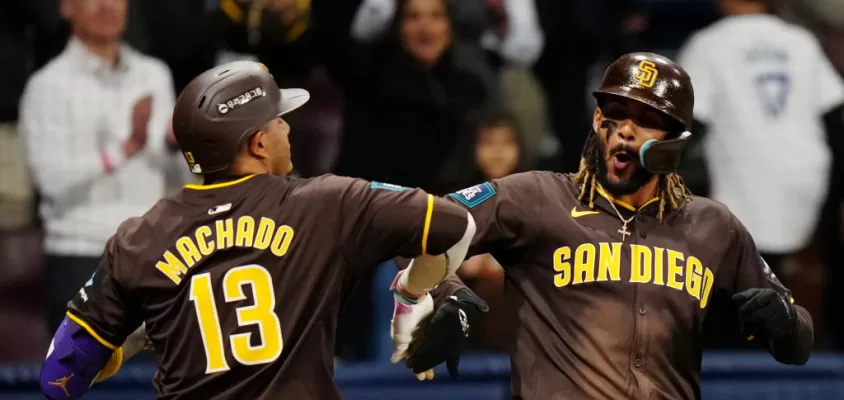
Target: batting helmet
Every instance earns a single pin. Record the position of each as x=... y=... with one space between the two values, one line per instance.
x=222 y=107
x=662 y=84
x=651 y=79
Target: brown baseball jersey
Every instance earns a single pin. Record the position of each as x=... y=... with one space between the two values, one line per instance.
x=240 y=283
x=598 y=312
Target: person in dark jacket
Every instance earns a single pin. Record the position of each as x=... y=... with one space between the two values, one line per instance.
x=407 y=98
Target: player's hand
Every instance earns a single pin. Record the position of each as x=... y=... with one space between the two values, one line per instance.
x=442 y=336
x=765 y=313
x=406 y=317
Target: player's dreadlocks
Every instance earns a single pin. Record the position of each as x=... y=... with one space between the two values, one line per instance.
x=672 y=190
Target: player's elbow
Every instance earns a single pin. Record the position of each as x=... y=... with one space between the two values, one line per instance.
x=74 y=360
x=457 y=253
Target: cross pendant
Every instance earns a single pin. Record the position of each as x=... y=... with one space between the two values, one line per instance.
x=624 y=232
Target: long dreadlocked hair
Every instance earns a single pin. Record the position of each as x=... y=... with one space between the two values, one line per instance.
x=671 y=189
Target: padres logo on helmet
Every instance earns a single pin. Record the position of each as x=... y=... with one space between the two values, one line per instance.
x=647 y=74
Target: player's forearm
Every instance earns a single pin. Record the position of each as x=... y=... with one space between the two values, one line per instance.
x=426 y=270
x=135 y=343
x=795 y=348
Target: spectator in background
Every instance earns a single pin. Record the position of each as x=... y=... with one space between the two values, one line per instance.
x=407 y=97
x=503 y=36
x=493 y=149
x=187 y=34
x=758 y=79
x=28 y=30
x=95 y=121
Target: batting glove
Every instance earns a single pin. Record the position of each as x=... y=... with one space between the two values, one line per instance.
x=408 y=311
x=442 y=336
x=765 y=313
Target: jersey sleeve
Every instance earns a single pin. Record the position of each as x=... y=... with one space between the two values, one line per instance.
x=506 y=212
x=381 y=221
x=745 y=266
x=103 y=305
x=694 y=58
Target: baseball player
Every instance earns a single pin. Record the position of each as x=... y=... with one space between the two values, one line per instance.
x=240 y=280
x=611 y=271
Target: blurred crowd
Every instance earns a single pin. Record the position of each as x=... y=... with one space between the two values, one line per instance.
x=437 y=94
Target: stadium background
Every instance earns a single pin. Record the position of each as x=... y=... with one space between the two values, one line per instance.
x=546 y=101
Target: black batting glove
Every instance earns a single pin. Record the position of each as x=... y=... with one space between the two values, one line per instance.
x=443 y=334
x=765 y=313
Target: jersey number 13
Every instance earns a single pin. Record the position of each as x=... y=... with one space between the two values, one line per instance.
x=260 y=313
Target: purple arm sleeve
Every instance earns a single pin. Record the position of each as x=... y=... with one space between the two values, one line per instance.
x=73 y=362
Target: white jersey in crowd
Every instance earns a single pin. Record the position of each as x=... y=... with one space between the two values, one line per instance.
x=762 y=86
x=75 y=113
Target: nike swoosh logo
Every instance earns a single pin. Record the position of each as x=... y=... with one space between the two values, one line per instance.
x=578 y=214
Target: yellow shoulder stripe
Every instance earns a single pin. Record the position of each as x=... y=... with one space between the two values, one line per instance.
x=218 y=185
x=427 y=226
x=87 y=327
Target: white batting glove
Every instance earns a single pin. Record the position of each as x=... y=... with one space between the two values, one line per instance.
x=407 y=313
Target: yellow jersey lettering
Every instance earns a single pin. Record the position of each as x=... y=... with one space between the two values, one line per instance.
x=708 y=281
x=245 y=231
x=610 y=259
x=205 y=247
x=561 y=256
x=188 y=251
x=674 y=269
x=281 y=240
x=640 y=268
x=225 y=234
x=265 y=234
x=694 y=270
x=658 y=267
x=172 y=267
x=584 y=264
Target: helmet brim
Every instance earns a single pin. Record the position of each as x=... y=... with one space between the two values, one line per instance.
x=291 y=99
x=643 y=97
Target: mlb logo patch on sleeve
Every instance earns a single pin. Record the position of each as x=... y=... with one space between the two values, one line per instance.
x=387 y=186
x=472 y=196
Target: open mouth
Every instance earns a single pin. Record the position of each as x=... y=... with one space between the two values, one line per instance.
x=622 y=160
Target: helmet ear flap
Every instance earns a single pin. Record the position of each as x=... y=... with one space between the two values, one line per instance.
x=663 y=156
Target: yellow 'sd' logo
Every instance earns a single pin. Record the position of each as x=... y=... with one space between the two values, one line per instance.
x=189 y=157
x=647 y=74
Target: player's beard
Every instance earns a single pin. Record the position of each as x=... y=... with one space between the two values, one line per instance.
x=597 y=158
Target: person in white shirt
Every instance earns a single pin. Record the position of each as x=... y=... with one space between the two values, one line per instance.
x=95 y=121
x=763 y=91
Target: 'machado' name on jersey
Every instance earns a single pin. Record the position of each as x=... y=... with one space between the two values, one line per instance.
x=223 y=234
x=602 y=263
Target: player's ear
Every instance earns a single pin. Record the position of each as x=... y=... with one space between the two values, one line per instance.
x=597 y=117
x=257 y=146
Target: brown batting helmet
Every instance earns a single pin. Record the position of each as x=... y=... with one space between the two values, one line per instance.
x=651 y=79
x=225 y=105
